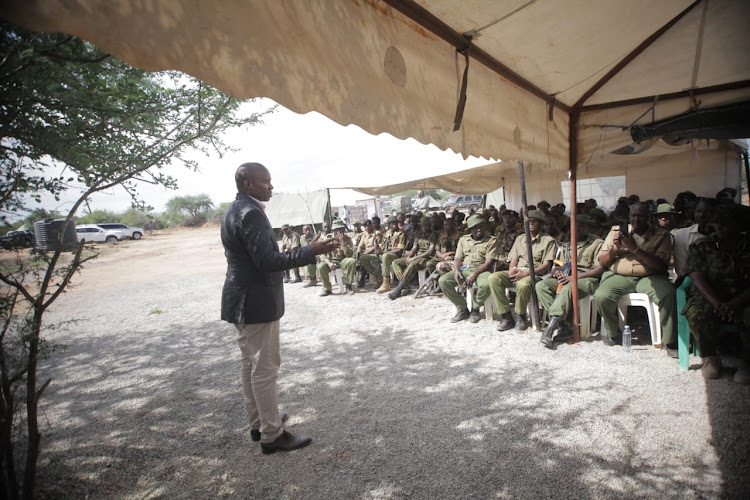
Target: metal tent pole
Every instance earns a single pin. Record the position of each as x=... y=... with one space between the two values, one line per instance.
x=529 y=253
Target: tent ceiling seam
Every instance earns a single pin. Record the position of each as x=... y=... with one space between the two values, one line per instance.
x=699 y=45
x=503 y=18
x=742 y=84
x=439 y=28
x=632 y=55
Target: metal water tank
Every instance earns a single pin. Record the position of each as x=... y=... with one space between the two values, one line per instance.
x=48 y=231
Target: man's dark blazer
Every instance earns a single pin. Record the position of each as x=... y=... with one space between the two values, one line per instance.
x=254 y=289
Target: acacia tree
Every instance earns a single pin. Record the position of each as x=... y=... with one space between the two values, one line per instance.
x=65 y=103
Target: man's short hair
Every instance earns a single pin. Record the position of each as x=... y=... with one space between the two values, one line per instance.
x=245 y=173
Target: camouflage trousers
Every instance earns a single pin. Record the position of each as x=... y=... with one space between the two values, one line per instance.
x=407 y=272
x=705 y=325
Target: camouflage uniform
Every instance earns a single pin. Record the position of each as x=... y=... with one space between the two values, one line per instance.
x=343 y=257
x=728 y=273
x=472 y=254
x=406 y=272
x=391 y=241
x=310 y=269
x=505 y=240
x=290 y=243
x=446 y=243
x=543 y=248
x=560 y=304
x=370 y=262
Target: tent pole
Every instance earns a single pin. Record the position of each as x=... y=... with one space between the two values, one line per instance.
x=747 y=174
x=329 y=209
x=529 y=253
x=573 y=172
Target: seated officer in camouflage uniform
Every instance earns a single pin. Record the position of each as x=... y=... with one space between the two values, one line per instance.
x=419 y=257
x=559 y=302
x=342 y=257
x=368 y=252
x=475 y=255
x=506 y=237
x=720 y=272
x=446 y=246
x=304 y=240
x=636 y=262
x=543 y=248
x=289 y=241
x=394 y=243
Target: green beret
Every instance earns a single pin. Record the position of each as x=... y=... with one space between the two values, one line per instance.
x=355 y=222
x=475 y=220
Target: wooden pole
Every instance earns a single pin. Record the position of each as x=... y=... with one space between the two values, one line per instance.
x=573 y=170
x=529 y=254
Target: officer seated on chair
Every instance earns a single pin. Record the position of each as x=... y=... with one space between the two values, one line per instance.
x=342 y=257
x=394 y=243
x=543 y=248
x=420 y=257
x=475 y=254
x=635 y=257
x=720 y=293
x=555 y=293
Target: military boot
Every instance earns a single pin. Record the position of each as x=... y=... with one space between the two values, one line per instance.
x=549 y=333
x=506 y=322
x=361 y=282
x=396 y=292
x=385 y=287
x=520 y=322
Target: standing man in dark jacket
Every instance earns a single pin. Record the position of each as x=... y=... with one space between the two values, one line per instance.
x=253 y=300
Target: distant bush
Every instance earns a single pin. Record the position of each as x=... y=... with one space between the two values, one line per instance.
x=98 y=217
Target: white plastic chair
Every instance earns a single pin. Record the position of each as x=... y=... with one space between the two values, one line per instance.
x=652 y=309
x=489 y=304
x=587 y=315
x=338 y=278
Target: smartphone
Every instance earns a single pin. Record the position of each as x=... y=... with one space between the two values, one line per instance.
x=624 y=227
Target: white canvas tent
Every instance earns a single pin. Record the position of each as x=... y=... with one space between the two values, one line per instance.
x=553 y=84
x=297 y=209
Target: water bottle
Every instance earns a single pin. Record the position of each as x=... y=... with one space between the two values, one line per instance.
x=627 y=339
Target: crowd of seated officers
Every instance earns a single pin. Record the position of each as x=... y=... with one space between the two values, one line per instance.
x=648 y=246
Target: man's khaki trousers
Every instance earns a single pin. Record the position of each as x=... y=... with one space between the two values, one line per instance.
x=261 y=358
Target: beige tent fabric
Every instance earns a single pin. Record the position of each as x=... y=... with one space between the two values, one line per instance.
x=297 y=209
x=363 y=62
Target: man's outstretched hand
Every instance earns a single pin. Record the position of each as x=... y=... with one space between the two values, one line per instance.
x=324 y=246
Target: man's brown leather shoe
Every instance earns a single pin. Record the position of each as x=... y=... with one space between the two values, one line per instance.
x=286 y=442
x=255 y=433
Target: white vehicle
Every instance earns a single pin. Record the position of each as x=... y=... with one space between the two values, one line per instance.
x=92 y=232
x=127 y=231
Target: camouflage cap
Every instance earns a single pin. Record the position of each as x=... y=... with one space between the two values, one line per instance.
x=475 y=220
x=426 y=220
x=665 y=208
x=285 y=226
x=338 y=224
x=355 y=222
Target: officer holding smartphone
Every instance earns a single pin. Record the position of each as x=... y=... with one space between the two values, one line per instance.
x=636 y=256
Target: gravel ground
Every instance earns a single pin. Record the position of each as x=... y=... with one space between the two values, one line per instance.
x=399 y=402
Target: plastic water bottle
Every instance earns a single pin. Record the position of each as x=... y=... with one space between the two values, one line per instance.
x=627 y=339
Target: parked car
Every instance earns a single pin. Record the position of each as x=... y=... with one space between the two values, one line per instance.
x=94 y=233
x=127 y=231
x=18 y=239
x=467 y=202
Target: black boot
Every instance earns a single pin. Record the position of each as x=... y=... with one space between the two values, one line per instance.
x=506 y=322
x=349 y=290
x=361 y=281
x=396 y=292
x=549 y=333
x=520 y=322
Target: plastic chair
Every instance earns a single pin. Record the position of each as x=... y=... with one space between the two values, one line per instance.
x=654 y=318
x=338 y=278
x=489 y=304
x=683 y=329
x=587 y=315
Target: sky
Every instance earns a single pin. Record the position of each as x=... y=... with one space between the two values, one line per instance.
x=303 y=153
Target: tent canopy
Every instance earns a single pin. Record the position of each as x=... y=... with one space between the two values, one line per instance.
x=549 y=83
x=297 y=209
